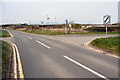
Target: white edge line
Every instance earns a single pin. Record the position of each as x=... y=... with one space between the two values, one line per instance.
x=10 y=33
x=43 y=44
x=94 y=72
x=15 y=66
x=20 y=70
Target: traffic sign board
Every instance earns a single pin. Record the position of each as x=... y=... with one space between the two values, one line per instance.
x=107 y=19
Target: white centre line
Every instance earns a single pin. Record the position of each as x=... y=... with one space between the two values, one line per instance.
x=43 y=44
x=29 y=37
x=83 y=66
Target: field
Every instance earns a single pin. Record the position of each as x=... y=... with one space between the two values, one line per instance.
x=108 y=44
x=49 y=32
x=60 y=30
x=4 y=33
x=45 y=32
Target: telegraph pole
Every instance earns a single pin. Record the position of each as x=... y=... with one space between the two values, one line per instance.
x=42 y=25
x=55 y=22
x=48 y=21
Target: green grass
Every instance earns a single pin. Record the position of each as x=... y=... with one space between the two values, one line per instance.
x=5 y=52
x=49 y=32
x=93 y=33
x=4 y=55
x=111 y=43
x=46 y=32
x=4 y=33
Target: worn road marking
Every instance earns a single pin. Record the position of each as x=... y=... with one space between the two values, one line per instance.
x=15 y=66
x=20 y=70
x=43 y=44
x=85 y=67
x=29 y=37
x=10 y=34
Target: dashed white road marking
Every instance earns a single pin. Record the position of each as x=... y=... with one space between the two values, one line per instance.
x=43 y=44
x=85 y=67
x=29 y=37
x=20 y=70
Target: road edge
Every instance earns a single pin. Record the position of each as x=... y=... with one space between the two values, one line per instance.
x=89 y=46
x=19 y=65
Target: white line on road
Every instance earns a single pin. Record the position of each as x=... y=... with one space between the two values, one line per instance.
x=20 y=70
x=10 y=34
x=29 y=37
x=43 y=44
x=83 y=66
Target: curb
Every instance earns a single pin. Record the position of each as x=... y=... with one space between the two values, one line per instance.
x=98 y=50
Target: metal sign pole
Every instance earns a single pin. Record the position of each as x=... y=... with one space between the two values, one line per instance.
x=66 y=26
x=107 y=20
x=106 y=30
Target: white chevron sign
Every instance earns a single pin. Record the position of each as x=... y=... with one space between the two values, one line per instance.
x=107 y=19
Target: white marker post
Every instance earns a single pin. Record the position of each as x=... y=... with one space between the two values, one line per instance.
x=106 y=20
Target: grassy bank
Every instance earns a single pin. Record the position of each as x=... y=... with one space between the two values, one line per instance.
x=49 y=32
x=95 y=33
x=45 y=32
x=5 y=50
x=108 y=44
x=4 y=33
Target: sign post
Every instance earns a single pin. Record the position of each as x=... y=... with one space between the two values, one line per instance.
x=66 y=26
x=106 y=20
x=42 y=25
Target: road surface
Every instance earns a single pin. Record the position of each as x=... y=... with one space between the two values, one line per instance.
x=62 y=57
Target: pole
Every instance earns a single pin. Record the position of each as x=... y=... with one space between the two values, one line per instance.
x=55 y=22
x=48 y=21
x=66 y=26
x=106 y=30
x=42 y=26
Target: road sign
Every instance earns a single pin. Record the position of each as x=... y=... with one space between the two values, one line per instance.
x=107 y=19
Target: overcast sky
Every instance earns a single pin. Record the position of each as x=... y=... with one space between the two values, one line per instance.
x=35 y=11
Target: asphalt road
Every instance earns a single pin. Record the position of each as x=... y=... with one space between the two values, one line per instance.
x=56 y=57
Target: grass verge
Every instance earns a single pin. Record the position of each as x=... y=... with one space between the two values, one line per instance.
x=6 y=55
x=49 y=32
x=110 y=44
x=45 y=32
x=4 y=33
